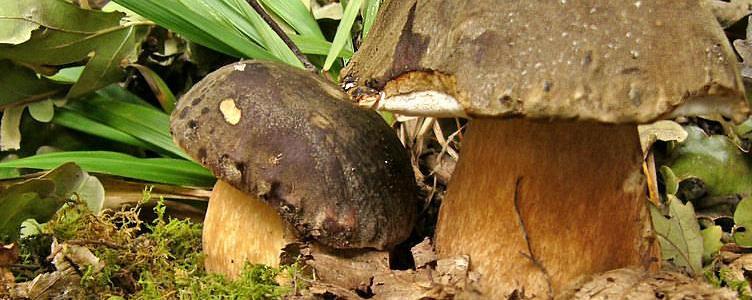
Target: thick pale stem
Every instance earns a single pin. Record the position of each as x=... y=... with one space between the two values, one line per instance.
x=538 y=204
x=240 y=228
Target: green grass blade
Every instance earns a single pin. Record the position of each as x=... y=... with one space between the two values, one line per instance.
x=201 y=26
x=369 y=15
x=244 y=17
x=177 y=19
x=311 y=45
x=161 y=170
x=73 y=120
x=114 y=91
x=226 y=27
x=161 y=91
x=343 y=32
x=147 y=124
x=295 y=14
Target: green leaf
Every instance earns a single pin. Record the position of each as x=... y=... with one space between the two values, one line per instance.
x=79 y=122
x=37 y=198
x=715 y=160
x=16 y=30
x=745 y=128
x=669 y=180
x=343 y=32
x=68 y=75
x=369 y=15
x=311 y=45
x=711 y=241
x=73 y=35
x=158 y=87
x=42 y=111
x=248 y=21
x=21 y=85
x=7 y=173
x=743 y=223
x=145 y=123
x=30 y=227
x=30 y=200
x=230 y=27
x=679 y=235
x=294 y=13
x=161 y=170
x=117 y=92
x=200 y=24
x=91 y=191
x=388 y=117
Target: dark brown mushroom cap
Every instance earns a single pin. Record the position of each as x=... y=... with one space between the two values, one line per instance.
x=334 y=171
x=610 y=61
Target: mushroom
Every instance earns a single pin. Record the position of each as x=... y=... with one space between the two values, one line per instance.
x=295 y=163
x=548 y=186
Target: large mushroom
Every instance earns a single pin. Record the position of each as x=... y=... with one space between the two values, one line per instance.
x=549 y=186
x=295 y=163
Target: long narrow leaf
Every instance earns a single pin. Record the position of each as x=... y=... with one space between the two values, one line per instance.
x=343 y=32
x=244 y=18
x=161 y=170
x=160 y=89
x=197 y=27
x=147 y=124
x=311 y=45
x=369 y=15
x=201 y=22
x=76 y=121
x=117 y=92
x=294 y=13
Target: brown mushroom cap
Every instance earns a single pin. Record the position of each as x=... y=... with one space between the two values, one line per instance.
x=334 y=171
x=609 y=61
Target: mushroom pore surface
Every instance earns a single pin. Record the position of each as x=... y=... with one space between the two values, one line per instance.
x=334 y=171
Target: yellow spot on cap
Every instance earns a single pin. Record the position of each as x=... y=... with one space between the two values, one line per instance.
x=231 y=112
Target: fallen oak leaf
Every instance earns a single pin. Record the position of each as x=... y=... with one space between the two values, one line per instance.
x=38 y=198
x=679 y=234
x=74 y=35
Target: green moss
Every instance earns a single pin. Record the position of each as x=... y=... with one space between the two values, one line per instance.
x=723 y=277
x=161 y=259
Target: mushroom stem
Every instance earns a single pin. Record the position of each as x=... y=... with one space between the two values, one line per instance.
x=536 y=204
x=239 y=228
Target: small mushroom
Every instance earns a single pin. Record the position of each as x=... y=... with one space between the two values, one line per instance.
x=295 y=163
x=548 y=187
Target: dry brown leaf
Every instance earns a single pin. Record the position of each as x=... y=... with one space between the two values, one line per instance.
x=730 y=12
x=423 y=253
x=637 y=284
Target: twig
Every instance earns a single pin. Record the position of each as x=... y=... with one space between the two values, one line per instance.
x=281 y=33
x=21 y=266
x=102 y=242
x=530 y=255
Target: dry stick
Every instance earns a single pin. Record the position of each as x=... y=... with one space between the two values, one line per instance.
x=102 y=242
x=531 y=256
x=22 y=266
x=281 y=33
